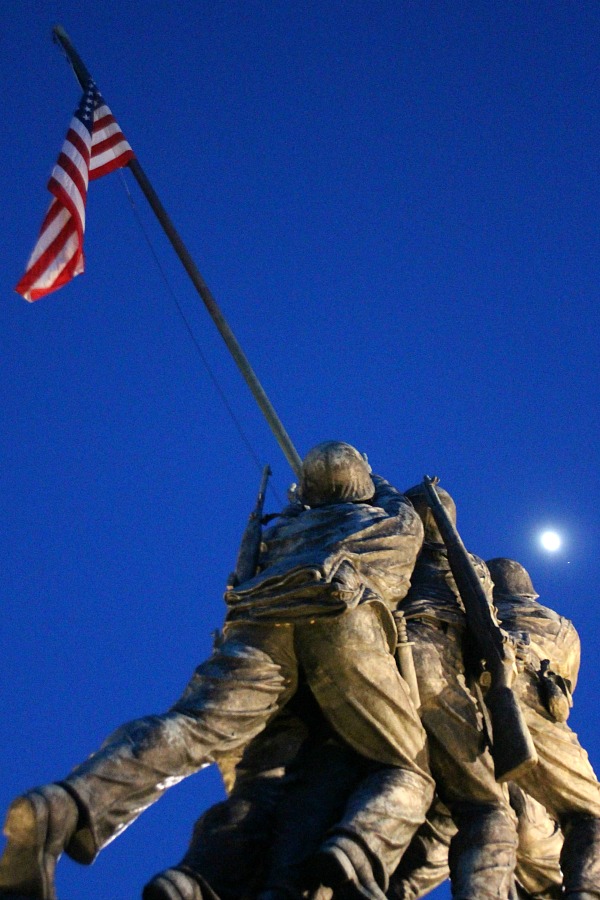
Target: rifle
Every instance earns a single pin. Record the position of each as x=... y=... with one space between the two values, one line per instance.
x=247 y=558
x=512 y=748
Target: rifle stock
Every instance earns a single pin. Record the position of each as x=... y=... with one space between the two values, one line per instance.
x=512 y=747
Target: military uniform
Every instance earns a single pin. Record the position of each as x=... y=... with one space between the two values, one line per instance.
x=483 y=852
x=318 y=602
x=563 y=779
x=328 y=577
x=537 y=874
x=293 y=785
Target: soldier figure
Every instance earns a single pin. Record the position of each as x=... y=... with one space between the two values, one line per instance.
x=331 y=571
x=563 y=779
x=290 y=788
x=483 y=851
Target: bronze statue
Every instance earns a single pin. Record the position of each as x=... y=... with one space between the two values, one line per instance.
x=484 y=854
x=512 y=749
x=302 y=706
x=424 y=866
x=331 y=570
x=291 y=787
x=563 y=779
x=483 y=851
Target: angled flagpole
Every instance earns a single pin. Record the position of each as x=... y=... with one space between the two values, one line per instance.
x=283 y=439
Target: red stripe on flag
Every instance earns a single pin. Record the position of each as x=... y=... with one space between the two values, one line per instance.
x=53 y=211
x=112 y=140
x=54 y=249
x=104 y=121
x=68 y=184
x=56 y=188
x=43 y=263
x=82 y=146
x=67 y=274
x=74 y=174
x=112 y=165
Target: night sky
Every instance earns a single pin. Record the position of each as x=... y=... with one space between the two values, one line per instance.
x=396 y=205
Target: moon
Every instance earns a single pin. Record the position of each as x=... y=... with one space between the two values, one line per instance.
x=550 y=541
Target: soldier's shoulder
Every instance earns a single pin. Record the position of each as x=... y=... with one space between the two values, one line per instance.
x=550 y=613
x=479 y=564
x=410 y=519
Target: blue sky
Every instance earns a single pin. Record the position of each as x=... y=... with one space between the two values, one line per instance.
x=396 y=206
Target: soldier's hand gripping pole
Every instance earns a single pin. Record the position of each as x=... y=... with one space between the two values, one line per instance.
x=247 y=559
x=512 y=748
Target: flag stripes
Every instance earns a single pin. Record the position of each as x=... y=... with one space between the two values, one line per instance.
x=94 y=146
x=108 y=145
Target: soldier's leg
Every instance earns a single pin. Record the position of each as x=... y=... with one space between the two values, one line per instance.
x=565 y=783
x=538 y=870
x=483 y=852
x=228 y=701
x=424 y=866
x=580 y=858
x=354 y=677
x=377 y=825
x=232 y=841
x=290 y=785
x=228 y=849
x=315 y=795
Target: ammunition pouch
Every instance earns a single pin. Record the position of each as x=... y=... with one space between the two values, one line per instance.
x=555 y=692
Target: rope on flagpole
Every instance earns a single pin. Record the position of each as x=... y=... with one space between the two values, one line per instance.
x=238 y=426
x=266 y=407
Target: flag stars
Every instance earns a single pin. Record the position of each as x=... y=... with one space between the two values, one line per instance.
x=58 y=254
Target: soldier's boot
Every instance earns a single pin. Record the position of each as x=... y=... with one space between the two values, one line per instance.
x=580 y=858
x=178 y=883
x=342 y=866
x=38 y=825
x=366 y=845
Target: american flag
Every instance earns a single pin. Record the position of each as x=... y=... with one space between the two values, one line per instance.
x=94 y=146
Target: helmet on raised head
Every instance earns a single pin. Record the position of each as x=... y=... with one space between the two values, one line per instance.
x=418 y=498
x=335 y=472
x=510 y=578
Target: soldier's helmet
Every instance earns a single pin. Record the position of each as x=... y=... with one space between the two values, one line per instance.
x=510 y=578
x=418 y=498
x=335 y=472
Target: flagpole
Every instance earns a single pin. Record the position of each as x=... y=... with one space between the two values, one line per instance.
x=283 y=439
